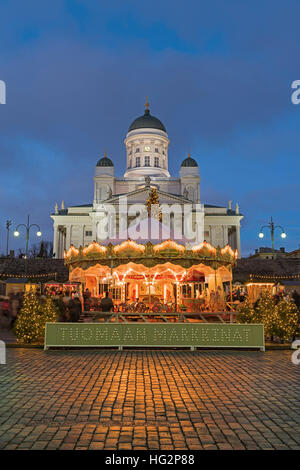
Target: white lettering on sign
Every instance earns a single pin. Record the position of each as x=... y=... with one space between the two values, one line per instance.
x=101 y=334
x=174 y=335
x=87 y=334
x=184 y=335
x=237 y=336
x=246 y=331
x=141 y=334
x=160 y=335
x=128 y=335
x=205 y=335
x=63 y=331
x=194 y=335
x=74 y=334
x=116 y=335
x=215 y=337
x=225 y=335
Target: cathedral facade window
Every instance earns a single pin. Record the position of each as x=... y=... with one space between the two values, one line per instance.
x=156 y=162
x=147 y=160
x=138 y=161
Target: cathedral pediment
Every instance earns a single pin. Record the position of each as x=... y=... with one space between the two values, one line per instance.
x=139 y=196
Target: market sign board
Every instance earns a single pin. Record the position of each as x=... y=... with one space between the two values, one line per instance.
x=207 y=335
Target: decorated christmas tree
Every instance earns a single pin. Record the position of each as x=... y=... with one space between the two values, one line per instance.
x=247 y=313
x=30 y=323
x=287 y=319
x=266 y=313
x=280 y=320
x=153 y=206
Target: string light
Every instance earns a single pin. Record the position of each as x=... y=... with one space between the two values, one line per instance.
x=22 y=276
x=271 y=276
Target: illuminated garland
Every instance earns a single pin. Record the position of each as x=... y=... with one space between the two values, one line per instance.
x=168 y=245
x=129 y=244
x=94 y=246
x=205 y=245
x=229 y=250
x=71 y=251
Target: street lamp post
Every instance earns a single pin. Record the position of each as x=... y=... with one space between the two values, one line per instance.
x=8 y=224
x=27 y=228
x=272 y=228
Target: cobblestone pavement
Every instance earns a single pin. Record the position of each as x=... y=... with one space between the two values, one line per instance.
x=149 y=400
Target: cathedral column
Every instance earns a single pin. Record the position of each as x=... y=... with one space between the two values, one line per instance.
x=238 y=241
x=82 y=238
x=55 y=240
x=225 y=234
x=61 y=244
x=68 y=236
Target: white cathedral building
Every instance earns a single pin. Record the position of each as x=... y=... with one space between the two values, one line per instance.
x=147 y=145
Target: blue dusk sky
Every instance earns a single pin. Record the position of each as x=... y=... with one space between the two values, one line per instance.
x=218 y=74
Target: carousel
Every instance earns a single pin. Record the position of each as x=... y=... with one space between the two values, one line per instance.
x=166 y=276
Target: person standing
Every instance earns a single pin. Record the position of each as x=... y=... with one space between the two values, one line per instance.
x=75 y=308
x=106 y=303
x=14 y=304
x=86 y=299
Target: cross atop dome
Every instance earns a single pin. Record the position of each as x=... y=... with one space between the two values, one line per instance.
x=147 y=103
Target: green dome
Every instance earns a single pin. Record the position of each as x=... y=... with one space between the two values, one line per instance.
x=189 y=161
x=147 y=121
x=104 y=161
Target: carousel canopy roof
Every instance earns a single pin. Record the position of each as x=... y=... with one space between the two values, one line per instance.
x=150 y=254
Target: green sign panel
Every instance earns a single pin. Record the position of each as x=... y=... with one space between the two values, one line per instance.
x=209 y=335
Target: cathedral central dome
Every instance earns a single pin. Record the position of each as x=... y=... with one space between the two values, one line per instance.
x=147 y=121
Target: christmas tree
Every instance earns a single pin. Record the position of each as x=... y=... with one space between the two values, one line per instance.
x=30 y=323
x=247 y=313
x=280 y=320
x=153 y=206
x=287 y=319
x=266 y=313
